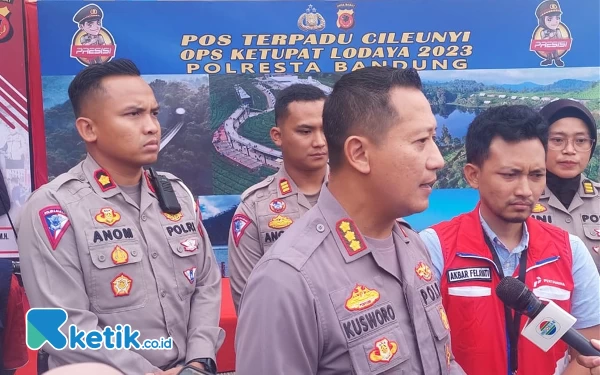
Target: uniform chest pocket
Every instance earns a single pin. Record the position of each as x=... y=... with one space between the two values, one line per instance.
x=385 y=353
x=185 y=255
x=592 y=232
x=117 y=278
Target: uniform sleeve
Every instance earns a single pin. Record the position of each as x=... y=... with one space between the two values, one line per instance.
x=277 y=331
x=53 y=279
x=244 y=250
x=586 y=289
x=432 y=243
x=205 y=336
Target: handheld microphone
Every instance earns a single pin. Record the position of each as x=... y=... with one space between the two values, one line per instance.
x=515 y=294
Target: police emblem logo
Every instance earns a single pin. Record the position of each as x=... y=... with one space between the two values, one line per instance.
x=239 y=224
x=539 y=208
x=280 y=222
x=345 y=15
x=190 y=274
x=423 y=271
x=361 y=298
x=119 y=255
x=121 y=285
x=444 y=317
x=383 y=351
x=108 y=216
x=103 y=179
x=284 y=186
x=5 y=27
x=595 y=232
x=311 y=20
x=55 y=222
x=92 y=43
x=277 y=206
x=551 y=39
x=190 y=245
x=350 y=236
x=173 y=217
x=596 y=249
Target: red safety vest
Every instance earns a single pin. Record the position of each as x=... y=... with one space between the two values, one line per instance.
x=476 y=314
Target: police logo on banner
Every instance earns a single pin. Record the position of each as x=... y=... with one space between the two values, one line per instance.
x=92 y=43
x=55 y=223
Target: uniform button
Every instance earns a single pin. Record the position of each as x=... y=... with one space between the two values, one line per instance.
x=134 y=253
x=154 y=255
x=568 y=220
x=163 y=294
x=81 y=178
x=144 y=218
x=320 y=228
x=101 y=258
x=179 y=249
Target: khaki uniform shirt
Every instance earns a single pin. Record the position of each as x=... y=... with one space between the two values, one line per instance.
x=88 y=248
x=323 y=302
x=265 y=212
x=581 y=218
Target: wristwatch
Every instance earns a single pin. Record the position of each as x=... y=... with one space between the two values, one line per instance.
x=209 y=364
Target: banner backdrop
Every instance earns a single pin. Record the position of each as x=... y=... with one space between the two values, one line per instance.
x=216 y=68
x=15 y=171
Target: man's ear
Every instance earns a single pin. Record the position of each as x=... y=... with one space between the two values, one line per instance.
x=472 y=174
x=86 y=129
x=276 y=135
x=356 y=150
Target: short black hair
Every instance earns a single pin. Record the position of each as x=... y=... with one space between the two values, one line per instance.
x=359 y=104
x=298 y=92
x=512 y=123
x=89 y=80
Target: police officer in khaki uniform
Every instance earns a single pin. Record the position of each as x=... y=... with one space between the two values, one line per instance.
x=96 y=242
x=348 y=289
x=571 y=200
x=268 y=208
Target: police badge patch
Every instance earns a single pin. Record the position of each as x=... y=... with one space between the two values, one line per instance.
x=55 y=223
x=239 y=223
x=190 y=274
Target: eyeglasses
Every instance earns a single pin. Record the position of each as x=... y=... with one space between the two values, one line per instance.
x=580 y=144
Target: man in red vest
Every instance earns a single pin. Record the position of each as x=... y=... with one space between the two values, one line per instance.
x=506 y=148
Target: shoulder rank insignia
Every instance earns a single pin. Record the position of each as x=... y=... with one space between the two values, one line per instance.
x=108 y=216
x=176 y=217
x=350 y=236
x=284 y=186
x=448 y=355
x=239 y=224
x=103 y=179
x=55 y=223
x=588 y=188
x=361 y=298
x=538 y=208
x=444 y=317
x=423 y=271
x=121 y=285
x=190 y=274
x=119 y=255
x=384 y=350
x=280 y=222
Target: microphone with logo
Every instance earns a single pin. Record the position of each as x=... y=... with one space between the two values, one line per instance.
x=549 y=322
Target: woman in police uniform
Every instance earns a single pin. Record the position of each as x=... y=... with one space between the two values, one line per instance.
x=571 y=200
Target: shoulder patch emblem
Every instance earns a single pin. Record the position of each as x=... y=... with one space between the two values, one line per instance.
x=239 y=224
x=423 y=271
x=108 y=216
x=284 y=186
x=280 y=222
x=350 y=236
x=103 y=179
x=55 y=222
x=190 y=274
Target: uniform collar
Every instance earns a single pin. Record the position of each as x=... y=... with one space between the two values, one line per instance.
x=103 y=184
x=523 y=244
x=586 y=190
x=287 y=187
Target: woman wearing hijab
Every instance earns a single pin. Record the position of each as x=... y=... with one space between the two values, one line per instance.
x=571 y=200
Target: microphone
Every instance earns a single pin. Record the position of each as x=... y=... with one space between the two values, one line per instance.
x=515 y=294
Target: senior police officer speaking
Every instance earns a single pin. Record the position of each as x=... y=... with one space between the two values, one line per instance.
x=111 y=244
x=348 y=288
x=268 y=208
